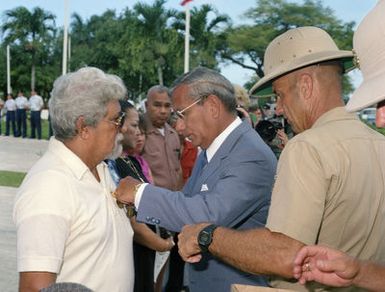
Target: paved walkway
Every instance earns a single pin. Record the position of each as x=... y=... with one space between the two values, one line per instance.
x=16 y=154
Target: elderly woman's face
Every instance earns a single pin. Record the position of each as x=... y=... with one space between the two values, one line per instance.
x=132 y=129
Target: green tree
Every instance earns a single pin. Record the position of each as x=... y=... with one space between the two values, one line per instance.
x=80 y=43
x=31 y=30
x=206 y=34
x=246 y=44
x=153 y=28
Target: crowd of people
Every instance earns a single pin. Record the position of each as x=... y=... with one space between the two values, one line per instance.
x=16 y=110
x=120 y=197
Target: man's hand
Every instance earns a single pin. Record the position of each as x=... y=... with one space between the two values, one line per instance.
x=188 y=245
x=325 y=265
x=126 y=190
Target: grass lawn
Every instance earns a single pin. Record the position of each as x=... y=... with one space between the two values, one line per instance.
x=11 y=178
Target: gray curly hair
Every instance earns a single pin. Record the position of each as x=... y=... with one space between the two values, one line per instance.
x=84 y=93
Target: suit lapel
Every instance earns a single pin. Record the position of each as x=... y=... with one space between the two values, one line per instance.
x=223 y=151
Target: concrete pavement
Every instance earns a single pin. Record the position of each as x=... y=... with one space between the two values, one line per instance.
x=16 y=154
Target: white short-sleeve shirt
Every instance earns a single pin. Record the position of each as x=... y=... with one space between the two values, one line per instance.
x=69 y=224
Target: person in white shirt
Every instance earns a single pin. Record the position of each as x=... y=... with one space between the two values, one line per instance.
x=35 y=104
x=69 y=226
x=21 y=114
x=10 y=118
x=1 y=112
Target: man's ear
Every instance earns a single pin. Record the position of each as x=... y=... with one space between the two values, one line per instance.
x=214 y=105
x=306 y=86
x=81 y=128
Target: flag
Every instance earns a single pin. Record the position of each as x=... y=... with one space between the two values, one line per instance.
x=184 y=2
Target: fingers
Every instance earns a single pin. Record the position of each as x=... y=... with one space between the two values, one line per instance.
x=194 y=259
x=304 y=252
x=188 y=245
x=303 y=265
x=336 y=265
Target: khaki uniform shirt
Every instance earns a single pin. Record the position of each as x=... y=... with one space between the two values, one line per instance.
x=162 y=154
x=330 y=188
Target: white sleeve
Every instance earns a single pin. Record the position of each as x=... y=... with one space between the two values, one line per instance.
x=42 y=214
x=41 y=243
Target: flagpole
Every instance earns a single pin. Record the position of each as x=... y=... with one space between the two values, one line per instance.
x=65 y=39
x=187 y=41
x=69 y=53
x=9 y=89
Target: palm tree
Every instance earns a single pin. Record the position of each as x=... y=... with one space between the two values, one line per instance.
x=207 y=30
x=153 y=26
x=29 y=29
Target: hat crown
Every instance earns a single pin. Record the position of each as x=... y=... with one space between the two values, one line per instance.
x=295 y=49
x=295 y=44
x=369 y=42
x=369 y=45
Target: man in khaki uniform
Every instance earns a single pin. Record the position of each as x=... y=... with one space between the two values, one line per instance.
x=330 y=179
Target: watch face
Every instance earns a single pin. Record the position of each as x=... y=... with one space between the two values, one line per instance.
x=204 y=238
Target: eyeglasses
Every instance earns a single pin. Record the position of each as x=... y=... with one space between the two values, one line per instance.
x=179 y=114
x=119 y=121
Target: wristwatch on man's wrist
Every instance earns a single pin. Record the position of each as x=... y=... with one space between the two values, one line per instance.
x=205 y=237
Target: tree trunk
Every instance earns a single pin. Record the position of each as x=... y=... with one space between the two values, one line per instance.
x=160 y=75
x=33 y=76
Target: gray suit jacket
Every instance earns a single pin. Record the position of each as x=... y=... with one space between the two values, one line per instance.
x=233 y=190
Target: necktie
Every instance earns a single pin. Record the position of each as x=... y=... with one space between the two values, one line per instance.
x=199 y=165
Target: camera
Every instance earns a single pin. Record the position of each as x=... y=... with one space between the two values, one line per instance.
x=240 y=112
x=267 y=129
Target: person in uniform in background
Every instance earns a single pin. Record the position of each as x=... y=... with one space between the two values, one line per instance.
x=36 y=104
x=10 y=118
x=22 y=106
x=1 y=113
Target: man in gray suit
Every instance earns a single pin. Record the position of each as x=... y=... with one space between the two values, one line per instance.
x=230 y=184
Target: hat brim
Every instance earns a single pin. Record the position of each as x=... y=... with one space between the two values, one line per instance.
x=369 y=93
x=264 y=86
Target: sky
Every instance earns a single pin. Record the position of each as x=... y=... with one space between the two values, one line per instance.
x=346 y=10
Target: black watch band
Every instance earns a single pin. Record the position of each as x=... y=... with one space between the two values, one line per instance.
x=205 y=237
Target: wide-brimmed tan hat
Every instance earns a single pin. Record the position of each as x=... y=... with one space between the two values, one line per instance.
x=369 y=45
x=295 y=49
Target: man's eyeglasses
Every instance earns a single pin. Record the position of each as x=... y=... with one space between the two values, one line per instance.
x=179 y=114
x=119 y=121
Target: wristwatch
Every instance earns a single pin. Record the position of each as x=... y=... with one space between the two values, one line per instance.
x=205 y=237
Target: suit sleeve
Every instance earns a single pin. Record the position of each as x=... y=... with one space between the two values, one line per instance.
x=238 y=195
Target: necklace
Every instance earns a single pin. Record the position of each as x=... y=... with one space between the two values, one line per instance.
x=133 y=167
x=130 y=209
